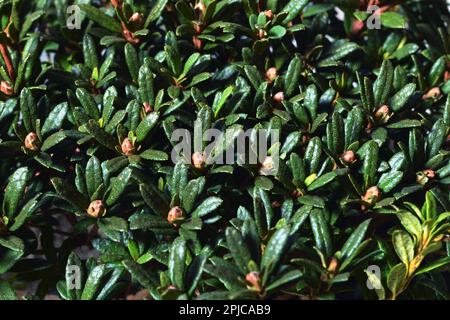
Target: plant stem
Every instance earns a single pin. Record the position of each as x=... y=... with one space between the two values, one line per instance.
x=9 y=66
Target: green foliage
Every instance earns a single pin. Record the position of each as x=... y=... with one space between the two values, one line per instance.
x=87 y=115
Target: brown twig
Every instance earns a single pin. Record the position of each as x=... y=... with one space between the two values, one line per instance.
x=7 y=59
x=129 y=36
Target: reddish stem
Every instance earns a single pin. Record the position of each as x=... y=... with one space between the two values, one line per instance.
x=260 y=5
x=7 y=59
x=128 y=35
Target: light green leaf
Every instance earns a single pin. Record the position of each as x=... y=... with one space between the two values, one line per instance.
x=403 y=245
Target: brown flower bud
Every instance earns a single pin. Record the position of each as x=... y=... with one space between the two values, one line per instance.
x=372 y=195
x=261 y=34
x=332 y=267
x=147 y=107
x=254 y=279
x=6 y=88
x=198 y=160
x=268 y=14
x=429 y=173
x=446 y=75
x=136 y=21
x=297 y=193
x=32 y=142
x=357 y=26
x=271 y=74
x=127 y=147
x=278 y=97
x=275 y=204
x=383 y=113
x=348 y=157
x=176 y=213
x=137 y=18
x=201 y=8
x=197 y=43
x=116 y=3
x=96 y=209
x=197 y=28
x=433 y=93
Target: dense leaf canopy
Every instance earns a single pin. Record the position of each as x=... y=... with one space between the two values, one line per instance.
x=94 y=207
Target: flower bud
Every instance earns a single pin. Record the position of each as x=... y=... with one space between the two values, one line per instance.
x=261 y=34
x=200 y=6
x=137 y=18
x=332 y=267
x=357 y=26
x=136 y=21
x=116 y=3
x=297 y=193
x=372 y=195
x=96 y=209
x=6 y=88
x=176 y=213
x=275 y=204
x=446 y=75
x=382 y=114
x=197 y=43
x=271 y=74
x=198 y=160
x=429 y=173
x=268 y=14
x=433 y=93
x=348 y=157
x=197 y=28
x=147 y=107
x=32 y=142
x=278 y=97
x=127 y=147
x=254 y=279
